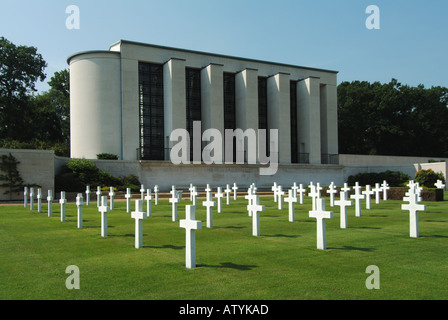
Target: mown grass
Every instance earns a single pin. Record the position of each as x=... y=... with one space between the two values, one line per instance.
x=282 y=264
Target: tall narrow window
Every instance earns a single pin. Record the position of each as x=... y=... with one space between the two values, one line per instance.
x=193 y=101
x=229 y=106
x=151 y=111
x=263 y=108
x=293 y=117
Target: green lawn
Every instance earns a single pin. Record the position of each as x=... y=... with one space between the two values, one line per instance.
x=283 y=263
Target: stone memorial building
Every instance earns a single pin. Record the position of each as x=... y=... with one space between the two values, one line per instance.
x=127 y=100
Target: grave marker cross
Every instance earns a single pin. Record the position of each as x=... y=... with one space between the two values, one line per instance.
x=254 y=208
x=291 y=200
x=174 y=200
x=219 y=195
x=357 y=196
x=343 y=203
x=413 y=207
x=62 y=201
x=320 y=215
x=104 y=209
x=138 y=215
x=79 y=204
x=209 y=204
x=190 y=225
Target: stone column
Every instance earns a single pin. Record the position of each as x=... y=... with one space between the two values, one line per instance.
x=308 y=122
x=212 y=101
x=246 y=96
x=174 y=98
x=279 y=113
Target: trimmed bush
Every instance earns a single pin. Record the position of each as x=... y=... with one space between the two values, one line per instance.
x=427 y=178
x=106 y=156
x=393 y=178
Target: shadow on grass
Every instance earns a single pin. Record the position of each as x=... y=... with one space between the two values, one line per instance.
x=166 y=246
x=354 y=248
x=230 y=265
x=278 y=235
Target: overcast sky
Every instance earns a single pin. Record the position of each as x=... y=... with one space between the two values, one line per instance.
x=411 y=44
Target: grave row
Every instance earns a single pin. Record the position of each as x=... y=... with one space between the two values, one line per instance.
x=295 y=194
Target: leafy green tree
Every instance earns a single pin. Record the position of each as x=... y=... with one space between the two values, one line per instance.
x=20 y=68
x=392 y=119
x=13 y=180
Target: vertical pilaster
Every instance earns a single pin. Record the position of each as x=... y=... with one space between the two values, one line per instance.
x=174 y=98
x=308 y=107
x=212 y=100
x=279 y=112
x=246 y=96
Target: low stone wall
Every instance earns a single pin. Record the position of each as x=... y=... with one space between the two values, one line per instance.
x=36 y=168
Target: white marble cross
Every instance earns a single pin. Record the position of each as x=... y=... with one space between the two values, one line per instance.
x=104 y=209
x=142 y=192
x=314 y=195
x=219 y=195
x=194 y=194
x=367 y=193
x=320 y=215
x=50 y=202
x=209 y=204
x=332 y=191
x=280 y=194
x=98 y=196
x=79 y=204
x=294 y=189
x=413 y=207
x=191 y=190
x=148 y=199
x=174 y=200
x=343 y=203
x=234 y=188
x=414 y=188
x=62 y=201
x=249 y=197
x=377 y=191
x=291 y=200
x=358 y=196
x=274 y=189
x=25 y=197
x=207 y=190
x=346 y=188
x=301 y=191
x=111 y=195
x=190 y=225
x=156 y=195
x=87 y=195
x=227 y=191
x=139 y=216
x=439 y=184
x=31 y=198
x=128 y=197
x=384 y=188
x=254 y=208
x=39 y=200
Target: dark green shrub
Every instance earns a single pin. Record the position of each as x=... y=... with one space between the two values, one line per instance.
x=69 y=182
x=106 y=156
x=427 y=178
x=393 y=178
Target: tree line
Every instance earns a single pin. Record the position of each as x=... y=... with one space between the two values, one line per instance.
x=373 y=118
x=392 y=119
x=29 y=120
